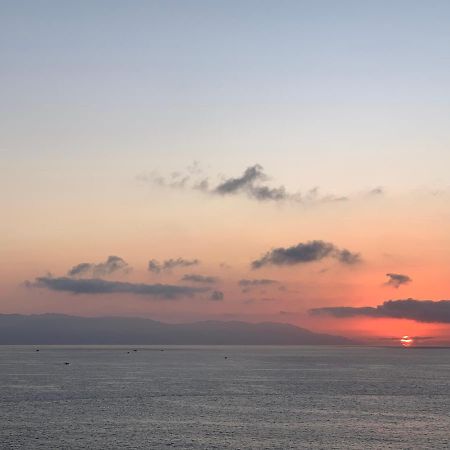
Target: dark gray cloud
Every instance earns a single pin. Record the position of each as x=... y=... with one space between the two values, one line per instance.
x=111 y=265
x=233 y=185
x=397 y=279
x=419 y=310
x=195 y=278
x=99 y=286
x=158 y=267
x=154 y=266
x=347 y=257
x=216 y=296
x=263 y=193
x=80 y=269
x=305 y=253
x=251 y=183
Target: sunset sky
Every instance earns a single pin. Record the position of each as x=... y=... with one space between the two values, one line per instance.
x=236 y=160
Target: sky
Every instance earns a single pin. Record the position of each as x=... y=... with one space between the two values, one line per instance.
x=248 y=160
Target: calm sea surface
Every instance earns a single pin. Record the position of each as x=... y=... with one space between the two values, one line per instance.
x=192 y=397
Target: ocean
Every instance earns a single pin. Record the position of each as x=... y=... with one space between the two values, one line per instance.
x=112 y=397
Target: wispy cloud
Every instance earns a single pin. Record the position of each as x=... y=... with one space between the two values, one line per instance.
x=253 y=183
x=419 y=310
x=307 y=252
x=247 y=285
x=376 y=191
x=169 y=264
x=256 y=282
x=195 y=278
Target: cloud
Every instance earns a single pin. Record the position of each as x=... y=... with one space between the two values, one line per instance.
x=253 y=183
x=397 y=279
x=158 y=267
x=80 y=269
x=305 y=253
x=256 y=282
x=199 y=278
x=248 y=285
x=419 y=310
x=247 y=183
x=347 y=257
x=216 y=296
x=313 y=196
x=111 y=265
x=233 y=185
x=175 y=180
x=376 y=191
x=98 y=286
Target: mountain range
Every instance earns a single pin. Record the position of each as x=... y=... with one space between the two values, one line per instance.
x=63 y=329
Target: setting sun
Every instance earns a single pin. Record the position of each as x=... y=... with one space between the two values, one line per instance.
x=406 y=341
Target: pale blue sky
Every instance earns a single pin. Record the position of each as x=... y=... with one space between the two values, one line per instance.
x=340 y=94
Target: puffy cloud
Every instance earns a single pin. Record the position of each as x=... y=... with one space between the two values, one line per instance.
x=98 y=286
x=305 y=253
x=80 y=269
x=111 y=265
x=397 y=279
x=419 y=310
x=347 y=257
x=216 y=296
x=158 y=267
x=195 y=278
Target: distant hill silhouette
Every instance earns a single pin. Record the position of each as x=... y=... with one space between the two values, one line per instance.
x=63 y=329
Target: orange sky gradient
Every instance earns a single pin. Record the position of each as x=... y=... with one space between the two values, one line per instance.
x=123 y=144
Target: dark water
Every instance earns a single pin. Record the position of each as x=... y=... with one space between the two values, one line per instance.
x=257 y=398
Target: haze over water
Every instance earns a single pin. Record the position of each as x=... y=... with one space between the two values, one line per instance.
x=194 y=397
